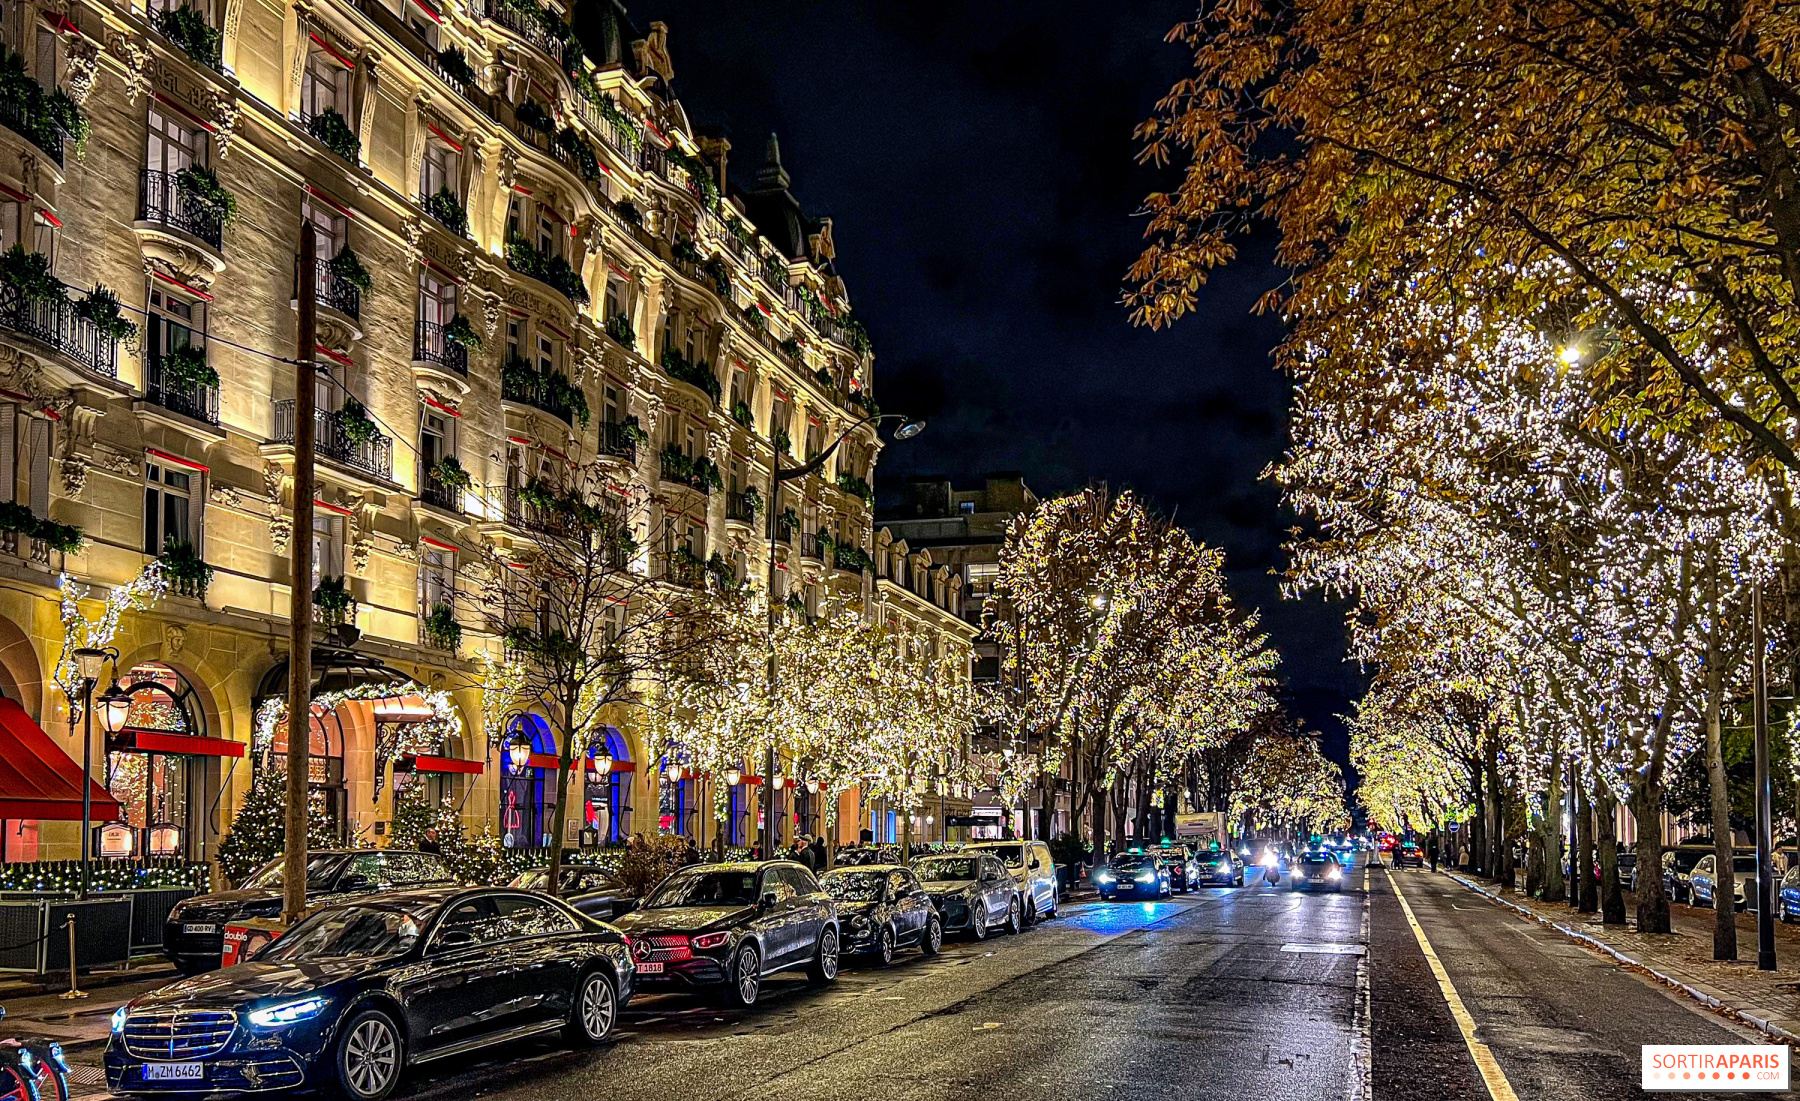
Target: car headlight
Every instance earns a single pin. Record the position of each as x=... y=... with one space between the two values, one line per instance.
x=859 y=922
x=1146 y=876
x=1103 y=876
x=287 y=1013
x=715 y=940
x=118 y=1018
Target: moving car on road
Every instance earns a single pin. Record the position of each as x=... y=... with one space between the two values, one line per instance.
x=1184 y=873
x=1221 y=866
x=194 y=934
x=596 y=892
x=1033 y=870
x=361 y=990
x=1138 y=874
x=973 y=892
x=727 y=927
x=1318 y=868
x=1409 y=855
x=881 y=908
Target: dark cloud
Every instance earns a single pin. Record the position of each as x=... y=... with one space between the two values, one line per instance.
x=978 y=163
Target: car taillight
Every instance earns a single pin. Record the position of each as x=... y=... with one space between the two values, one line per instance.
x=711 y=940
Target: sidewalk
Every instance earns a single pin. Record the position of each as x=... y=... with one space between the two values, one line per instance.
x=81 y=1025
x=1765 y=1000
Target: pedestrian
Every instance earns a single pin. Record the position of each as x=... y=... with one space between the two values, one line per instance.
x=429 y=843
x=1432 y=849
x=821 y=856
x=691 y=855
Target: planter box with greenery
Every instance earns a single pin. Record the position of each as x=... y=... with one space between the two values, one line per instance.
x=189 y=29
x=28 y=274
x=183 y=567
x=185 y=369
x=200 y=186
x=358 y=427
x=454 y=66
x=462 y=334
x=16 y=519
x=100 y=308
x=531 y=113
x=523 y=257
x=742 y=415
x=618 y=326
x=856 y=487
x=330 y=128
x=447 y=210
x=333 y=600
x=784 y=443
x=347 y=267
x=441 y=628
x=699 y=375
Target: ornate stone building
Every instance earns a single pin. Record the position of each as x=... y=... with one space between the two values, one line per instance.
x=528 y=258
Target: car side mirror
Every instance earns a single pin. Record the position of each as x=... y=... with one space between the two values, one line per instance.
x=767 y=900
x=1036 y=863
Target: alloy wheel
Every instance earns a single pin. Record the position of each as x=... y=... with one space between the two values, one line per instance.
x=599 y=1007
x=884 y=947
x=371 y=1056
x=748 y=978
x=828 y=955
x=934 y=937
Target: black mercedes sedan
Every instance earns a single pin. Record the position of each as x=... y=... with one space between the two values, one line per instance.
x=973 y=892
x=194 y=934
x=883 y=907
x=1219 y=866
x=1136 y=873
x=727 y=927
x=596 y=892
x=361 y=990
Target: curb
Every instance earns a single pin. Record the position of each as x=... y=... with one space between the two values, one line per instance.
x=1768 y=1027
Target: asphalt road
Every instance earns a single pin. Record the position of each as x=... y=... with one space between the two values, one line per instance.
x=1237 y=995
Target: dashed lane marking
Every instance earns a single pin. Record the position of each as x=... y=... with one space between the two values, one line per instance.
x=1491 y=1074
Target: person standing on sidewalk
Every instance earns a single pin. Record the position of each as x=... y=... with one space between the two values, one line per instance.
x=1432 y=849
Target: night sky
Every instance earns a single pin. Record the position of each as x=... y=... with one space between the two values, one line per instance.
x=976 y=159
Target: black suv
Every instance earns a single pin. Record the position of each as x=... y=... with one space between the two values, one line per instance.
x=729 y=926
x=194 y=936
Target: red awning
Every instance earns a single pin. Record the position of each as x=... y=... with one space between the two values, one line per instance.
x=424 y=763
x=552 y=761
x=37 y=779
x=191 y=745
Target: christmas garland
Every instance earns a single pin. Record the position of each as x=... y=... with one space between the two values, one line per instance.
x=444 y=725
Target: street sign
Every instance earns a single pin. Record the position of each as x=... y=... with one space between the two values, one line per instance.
x=1453 y=826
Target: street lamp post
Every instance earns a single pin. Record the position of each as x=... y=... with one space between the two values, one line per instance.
x=908 y=429
x=90 y=662
x=1765 y=856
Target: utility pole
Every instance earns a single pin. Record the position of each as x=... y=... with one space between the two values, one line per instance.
x=1765 y=840
x=300 y=594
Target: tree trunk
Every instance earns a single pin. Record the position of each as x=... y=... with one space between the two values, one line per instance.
x=1098 y=799
x=1509 y=872
x=1572 y=805
x=1550 y=826
x=1584 y=832
x=1652 y=903
x=1144 y=804
x=1724 y=904
x=1478 y=825
x=557 y=819
x=1534 y=858
x=1121 y=803
x=1612 y=894
x=1496 y=829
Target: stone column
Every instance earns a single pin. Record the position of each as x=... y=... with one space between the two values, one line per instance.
x=369 y=84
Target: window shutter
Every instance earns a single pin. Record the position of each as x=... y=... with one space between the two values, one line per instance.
x=9 y=452
x=197 y=512
x=39 y=437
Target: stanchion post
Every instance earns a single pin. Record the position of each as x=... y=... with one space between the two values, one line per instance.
x=74 y=990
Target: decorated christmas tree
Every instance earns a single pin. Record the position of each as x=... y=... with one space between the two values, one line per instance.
x=259 y=832
x=414 y=814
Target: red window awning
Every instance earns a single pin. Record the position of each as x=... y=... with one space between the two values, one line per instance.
x=424 y=763
x=37 y=779
x=132 y=739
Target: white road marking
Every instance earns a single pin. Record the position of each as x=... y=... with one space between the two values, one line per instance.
x=1326 y=949
x=1357 y=1084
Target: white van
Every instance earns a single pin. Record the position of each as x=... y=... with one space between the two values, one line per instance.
x=1033 y=871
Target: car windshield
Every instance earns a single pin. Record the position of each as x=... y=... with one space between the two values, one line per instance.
x=1130 y=861
x=853 y=886
x=1214 y=858
x=320 y=871
x=943 y=868
x=1012 y=855
x=1684 y=860
x=705 y=888
x=362 y=931
x=1316 y=857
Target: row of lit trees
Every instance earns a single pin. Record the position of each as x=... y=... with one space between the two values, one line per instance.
x=1544 y=265
x=1123 y=658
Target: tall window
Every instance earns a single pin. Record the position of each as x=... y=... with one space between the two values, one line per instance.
x=173 y=322
x=437 y=298
x=169 y=507
x=324 y=86
x=612 y=404
x=548 y=348
x=515 y=339
x=173 y=146
x=439 y=170
x=331 y=227
x=815 y=438
x=434 y=437
x=437 y=577
x=615 y=297
x=25 y=452
x=328 y=545
x=739 y=385
x=21 y=224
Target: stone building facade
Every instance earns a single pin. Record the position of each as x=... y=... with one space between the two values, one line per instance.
x=528 y=258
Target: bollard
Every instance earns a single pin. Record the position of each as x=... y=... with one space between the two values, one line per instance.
x=74 y=991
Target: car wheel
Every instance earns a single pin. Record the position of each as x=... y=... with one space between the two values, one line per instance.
x=824 y=967
x=370 y=1056
x=595 y=1011
x=884 y=947
x=745 y=979
x=1014 y=926
x=978 y=922
x=1031 y=914
x=934 y=937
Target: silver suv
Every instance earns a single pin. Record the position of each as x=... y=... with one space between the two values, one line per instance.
x=1032 y=870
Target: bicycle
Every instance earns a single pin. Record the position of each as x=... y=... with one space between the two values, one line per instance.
x=32 y=1069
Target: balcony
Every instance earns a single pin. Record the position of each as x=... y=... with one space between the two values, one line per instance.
x=617 y=442
x=653 y=159
x=738 y=509
x=811 y=546
x=434 y=491
x=429 y=346
x=53 y=321
x=374 y=456
x=188 y=399
x=550 y=393
x=526 y=27
x=335 y=292
x=33 y=123
x=682 y=567
x=161 y=199
x=697 y=474
x=609 y=131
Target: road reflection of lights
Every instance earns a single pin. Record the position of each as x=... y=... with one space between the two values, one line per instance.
x=1149 y=907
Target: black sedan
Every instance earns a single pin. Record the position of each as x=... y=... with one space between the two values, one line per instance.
x=973 y=892
x=730 y=926
x=884 y=907
x=864 y=856
x=194 y=934
x=1183 y=873
x=359 y=991
x=1219 y=866
x=596 y=892
x=1138 y=874
x=1318 y=868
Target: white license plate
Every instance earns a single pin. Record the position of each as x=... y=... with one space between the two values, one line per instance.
x=200 y=927
x=174 y=1072
x=649 y=968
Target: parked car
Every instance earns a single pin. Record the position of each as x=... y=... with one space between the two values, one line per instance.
x=1135 y=873
x=1787 y=895
x=727 y=927
x=596 y=892
x=194 y=934
x=1678 y=862
x=1033 y=870
x=882 y=908
x=1318 y=868
x=363 y=989
x=864 y=855
x=1627 y=870
x=1708 y=884
x=1184 y=872
x=973 y=892
x=1221 y=866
